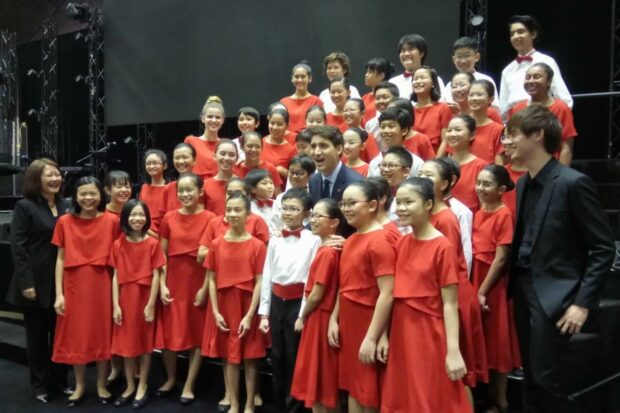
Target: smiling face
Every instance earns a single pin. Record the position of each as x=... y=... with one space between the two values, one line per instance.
x=188 y=193
x=521 y=38
x=391 y=169
x=298 y=177
x=410 y=57
x=183 y=160
x=314 y=118
x=457 y=134
x=292 y=213
x=465 y=59
x=487 y=188
x=353 y=145
x=226 y=156
x=460 y=88
x=334 y=69
x=88 y=198
x=422 y=82
x=431 y=171
x=326 y=156
x=383 y=97
x=338 y=93
x=301 y=79
x=213 y=119
x=392 y=134
x=137 y=219
x=51 y=180
x=264 y=189
x=537 y=83
x=236 y=213
x=356 y=208
x=478 y=98
x=252 y=147
x=154 y=166
x=277 y=126
x=320 y=222
x=119 y=192
x=246 y=123
x=352 y=114
x=411 y=207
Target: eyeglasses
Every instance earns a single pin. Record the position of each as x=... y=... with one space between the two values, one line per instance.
x=316 y=215
x=389 y=166
x=463 y=56
x=292 y=210
x=297 y=174
x=349 y=204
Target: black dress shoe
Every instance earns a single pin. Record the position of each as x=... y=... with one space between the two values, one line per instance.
x=121 y=401
x=138 y=404
x=106 y=400
x=223 y=407
x=44 y=398
x=186 y=401
x=74 y=402
x=165 y=393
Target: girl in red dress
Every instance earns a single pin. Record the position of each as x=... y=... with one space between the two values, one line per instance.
x=316 y=116
x=487 y=143
x=316 y=369
x=358 y=324
x=135 y=285
x=299 y=102
x=537 y=84
x=340 y=92
x=84 y=287
x=183 y=159
x=460 y=134
x=215 y=187
x=234 y=269
x=354 y=144
x=415 y=142
x=354 y=110
x=181 y=320
x=459 y=86
x=152 y=192
x=425 y=365
x=472 y=343
x=431 y=116
x=378 y=69
x=212 y=117
x=276 y=149
x=385 y=202
x=117 y=186
x=252 y=146
x=492 y=236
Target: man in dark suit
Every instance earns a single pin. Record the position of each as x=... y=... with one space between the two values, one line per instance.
x=332 y=176
x=562 y=251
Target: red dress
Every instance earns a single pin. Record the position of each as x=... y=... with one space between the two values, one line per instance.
x=472 y=342
x=490 y=230
x=84 y=333
x=278 y=155
x=180 y=323
x=297 y=109
x=290 y=137
x=420 y=144
x=465 y=188
x=362 y=169
x=316 y=369
x=241 y=170
x=394 y=234
x=135 y=336
x=371 y=150
x=561 y=111
x=431 y=120
x=370 y=111
x=494 y=115
x=218 y=226
x=416 y=379
x=337 y=121
x=510 y=197
x=215 y=195
x=364 y=257
x=236 y=265
x=486 y=144
x=153 y=197
x=170 y=200
x=206 y=165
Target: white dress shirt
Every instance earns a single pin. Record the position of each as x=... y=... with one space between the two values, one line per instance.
x=478 y=76
x=511 y=88
x=328 y=105
x=405 y=88
x=268 y=214
x=287 y=262
x=373 y=166
x=466 y=220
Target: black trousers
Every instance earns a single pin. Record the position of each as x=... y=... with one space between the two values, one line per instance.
x=544 y=351
x=45 y=375
x=284 y=345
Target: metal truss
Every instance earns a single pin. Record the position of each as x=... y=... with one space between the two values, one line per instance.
x=613 y=149
x=48 y=114
x=9 y=151
x=145 y=140
x=477 y=8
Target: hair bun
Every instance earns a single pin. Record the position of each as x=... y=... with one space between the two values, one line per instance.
x=305 y=62
x=214 y=99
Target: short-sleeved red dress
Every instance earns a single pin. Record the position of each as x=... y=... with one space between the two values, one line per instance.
x=241 y=170
x=236 y=265
x=180 y=323
x=134 y=263
x=217 y=227
x=364 y=258
x=278 y=155
x=153 y=197
x=394 y=234
x=420 y=144
x=316 y=369
x=337 y=121
x=431 y=120
x=465 y=188
x=416 y=379
x=84 y=332
x=297 y=109
x=490 y=230
x=370 y=109
x=561 y=111
x=215 y=195
x=486 y=144
x=472 y=342
x=206 y=166
x=362 y=169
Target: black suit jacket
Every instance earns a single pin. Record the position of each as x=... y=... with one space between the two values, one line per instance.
x=34 y=257
x=345 y=177
x=572 y=249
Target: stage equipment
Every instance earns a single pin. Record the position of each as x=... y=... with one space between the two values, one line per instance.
x=474 y=25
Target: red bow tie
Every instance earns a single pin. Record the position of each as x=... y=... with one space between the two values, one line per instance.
x=294 y=233
x=262 y=204
x=521 y=59
x=407 y=74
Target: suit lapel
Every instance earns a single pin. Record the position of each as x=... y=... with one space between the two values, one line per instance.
x=339 y=185
x=543 y=206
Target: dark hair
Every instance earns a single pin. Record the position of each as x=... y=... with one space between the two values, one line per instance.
x=272 y=106
x=360 y=132
x=400 y=116
x=381 y=65
x=159 y=153
x=435 y=90
x=328 y=132
x=445 y=172
x=501 y=175
x=116 y=177
x=530 y=23
x=404 y=156
x=249 y=111
x=404 y=104
x=455 y=168
x=299 y=194
x=470 y=122
x=316 y=108
x=536 y=117
x=126 y=211
x=304 y=136
x=465 y=42
x=87 y=180
x=488 y=86
x=548 y=70
x=184 y=145
x=384 y=189
x=339 y=57
x=255 y=176
x=343 y=80
x=416 y=41
x=198 y=182
x=468 y=75
x=368 y=188
x=389 y=86
x=280 y=112
x=360 y=103
x=423 y=186
x=250 y=134
x=240 y=195
x=304 y=161
x=246 y=188
x=304 y=64
x=225 y=141
x=32 y=178
x=333 y=212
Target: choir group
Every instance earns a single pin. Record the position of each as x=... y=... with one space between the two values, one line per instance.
x=362 y=244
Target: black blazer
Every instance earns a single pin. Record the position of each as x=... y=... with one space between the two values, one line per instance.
x=34 y=257
x=345 y=177
x=572 y=249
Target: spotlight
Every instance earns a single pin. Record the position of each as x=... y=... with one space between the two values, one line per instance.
x=79 y=12
x=476 y=22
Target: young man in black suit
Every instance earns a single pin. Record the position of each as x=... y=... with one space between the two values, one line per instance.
x=562 y=251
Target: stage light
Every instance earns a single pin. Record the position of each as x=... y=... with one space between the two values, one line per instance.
x=79 y=12
x=476 y=22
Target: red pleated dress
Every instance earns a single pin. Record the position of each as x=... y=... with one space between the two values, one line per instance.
x=465 y=188
x=217 y=227
x=153 y=197
x=206 y=165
